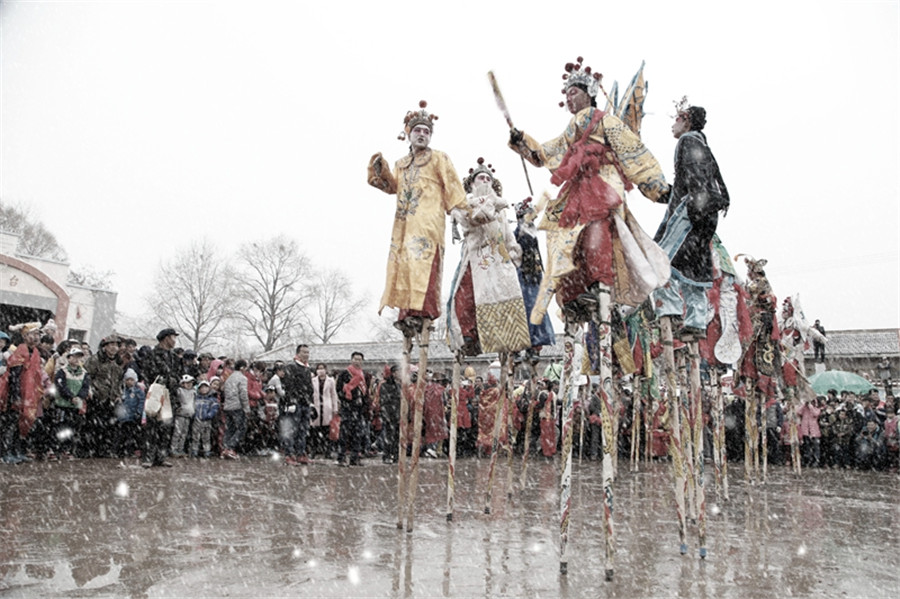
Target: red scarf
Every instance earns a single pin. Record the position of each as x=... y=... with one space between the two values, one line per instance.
x=588 y=197
x=357 y=381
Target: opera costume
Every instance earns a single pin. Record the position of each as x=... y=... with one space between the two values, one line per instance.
x=427 y=189
x=530 y=272
x=685 y=234
x=592 y=237
x=486 y=312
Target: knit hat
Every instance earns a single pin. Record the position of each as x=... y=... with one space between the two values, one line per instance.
x=130 y=374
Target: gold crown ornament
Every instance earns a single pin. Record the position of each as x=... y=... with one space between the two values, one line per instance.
x=417 y=117
x=584 y=77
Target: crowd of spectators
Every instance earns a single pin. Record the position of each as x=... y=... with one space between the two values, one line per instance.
x=103 y=404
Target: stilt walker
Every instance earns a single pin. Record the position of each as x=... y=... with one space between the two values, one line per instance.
x=427 y=188
x=726 y=332
x=486 y=310
x=759 y=364
x=595 y=246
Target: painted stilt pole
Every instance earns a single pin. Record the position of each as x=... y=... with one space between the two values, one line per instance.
x=417 y=422
x=403 y=431
x=794 y=434
x=584 y=393
x=568 y=389
x=675 y=449
x=697 y=401
x=529 y=421
x=510 y=428
x=718 y=420
x=451 y=464
x=636 y=424
x=610 y=422
x=498 y=423
x=687 y=440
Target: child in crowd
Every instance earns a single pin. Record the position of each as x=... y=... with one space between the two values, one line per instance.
x=129 y=413
x=206 y=408
x=183 y=406
x=73 y=387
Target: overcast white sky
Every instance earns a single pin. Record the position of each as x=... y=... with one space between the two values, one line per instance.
x=132 y=128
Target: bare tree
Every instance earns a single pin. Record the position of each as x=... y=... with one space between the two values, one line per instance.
x=88 y=277
x=271 y=283
x=333 y=305
x=34 y=238
x=194 y=293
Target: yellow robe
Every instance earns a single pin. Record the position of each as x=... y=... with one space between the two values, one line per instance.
x=640 y=265
x=427 y=189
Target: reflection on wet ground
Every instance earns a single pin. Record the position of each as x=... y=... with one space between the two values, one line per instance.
x=104 y=528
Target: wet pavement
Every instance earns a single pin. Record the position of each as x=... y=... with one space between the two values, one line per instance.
x=108 y=528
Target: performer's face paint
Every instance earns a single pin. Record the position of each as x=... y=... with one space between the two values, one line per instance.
x=577 y=99
x=420 y=137
x=483 y=179
x=681 y=125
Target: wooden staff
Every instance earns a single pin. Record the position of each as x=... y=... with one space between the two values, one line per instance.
x=610 y=422
x=675 y=449
x=495 y=443
x=501 y=104
x=403 y=431
x=697 y=401
x=568 y=389
x=417 y=421
x=454 y=412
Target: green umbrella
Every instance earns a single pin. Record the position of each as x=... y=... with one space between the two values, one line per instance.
x=839 y=380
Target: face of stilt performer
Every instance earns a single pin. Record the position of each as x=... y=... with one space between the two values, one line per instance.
x=420 y=137
x=577 y=99
x=681 y=125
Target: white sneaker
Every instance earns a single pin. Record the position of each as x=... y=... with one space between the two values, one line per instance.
x=430 y=453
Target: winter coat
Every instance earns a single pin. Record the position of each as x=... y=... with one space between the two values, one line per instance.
x=106 y=378
x=162 y=363
x=206 y=407
x=298 y=385
x=809 y=420
x=72 y=388
x=236 y=397
x=185 y=402
x=132 y=404
x=325 y=400
x=433 y=414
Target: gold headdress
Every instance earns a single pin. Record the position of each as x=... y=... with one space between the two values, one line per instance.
x=417 y=117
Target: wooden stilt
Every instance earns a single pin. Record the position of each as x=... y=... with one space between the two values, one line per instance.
x=636 y=424
x=529 y=421
x=610 y=422
x=697 y=403
x=675 y=448
x=403 y=432
x=511 y=432
x=495 y=444
x=417 y=423
x=454 y=412
x=574 y=350
x=687 y=437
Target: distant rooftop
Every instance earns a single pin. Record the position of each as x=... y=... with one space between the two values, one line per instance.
x=861 y=343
